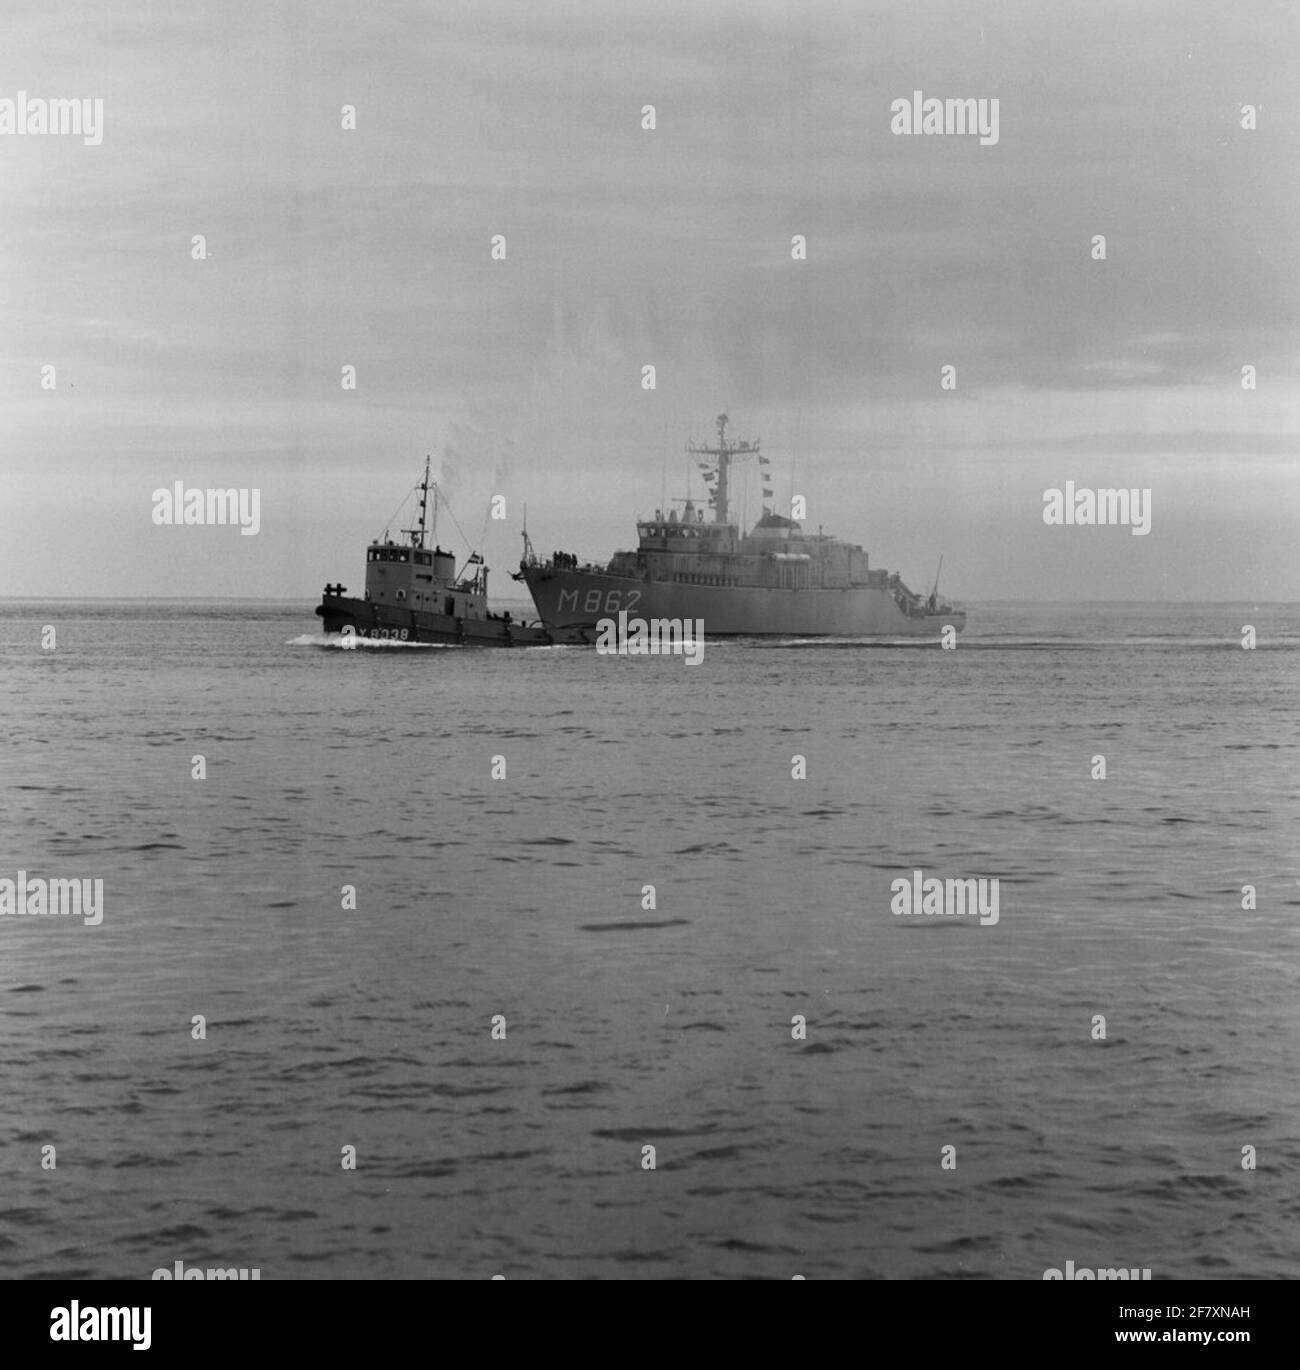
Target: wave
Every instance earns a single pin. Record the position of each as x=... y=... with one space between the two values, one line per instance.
x=335 y=643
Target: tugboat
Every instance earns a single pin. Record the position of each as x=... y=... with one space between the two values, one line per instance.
x=775 y=581
x=413 y=594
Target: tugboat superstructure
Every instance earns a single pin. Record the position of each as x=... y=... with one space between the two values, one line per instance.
x=777 y=580
x=413 y=594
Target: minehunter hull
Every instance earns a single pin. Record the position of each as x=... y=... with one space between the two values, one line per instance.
x=580 y=597
x=394 y=624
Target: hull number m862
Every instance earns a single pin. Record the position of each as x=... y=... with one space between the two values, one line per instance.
x=596 y=601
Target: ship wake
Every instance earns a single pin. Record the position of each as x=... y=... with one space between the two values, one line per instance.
x=336 y=642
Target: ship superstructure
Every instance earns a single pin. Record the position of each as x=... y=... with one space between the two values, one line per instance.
x=776 y=579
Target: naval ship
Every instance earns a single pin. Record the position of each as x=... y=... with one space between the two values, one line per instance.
x=413 y=594
x=775 y=581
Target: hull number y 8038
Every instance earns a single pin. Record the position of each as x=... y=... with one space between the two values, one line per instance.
x=396 y=634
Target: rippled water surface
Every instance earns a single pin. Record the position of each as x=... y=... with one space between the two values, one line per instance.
x=670 y=1027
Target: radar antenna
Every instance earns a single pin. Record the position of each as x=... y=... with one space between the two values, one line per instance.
x=723 y=454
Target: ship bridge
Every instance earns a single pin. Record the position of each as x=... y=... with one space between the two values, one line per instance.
x=412 y=575
x=688 y=534
x=419 y=578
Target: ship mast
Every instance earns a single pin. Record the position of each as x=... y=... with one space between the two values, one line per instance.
x=723 y=454
x=419 y=535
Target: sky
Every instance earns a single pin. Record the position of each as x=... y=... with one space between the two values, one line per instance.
x=671 y=247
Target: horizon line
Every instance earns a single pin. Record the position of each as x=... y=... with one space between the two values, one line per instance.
x=294 y=599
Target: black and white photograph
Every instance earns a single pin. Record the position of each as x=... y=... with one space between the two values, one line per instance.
x=649 y=642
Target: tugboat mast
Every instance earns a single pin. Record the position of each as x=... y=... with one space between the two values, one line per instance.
x=419 y=536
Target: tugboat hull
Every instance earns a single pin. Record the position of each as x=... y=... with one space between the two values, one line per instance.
x=392 y=624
